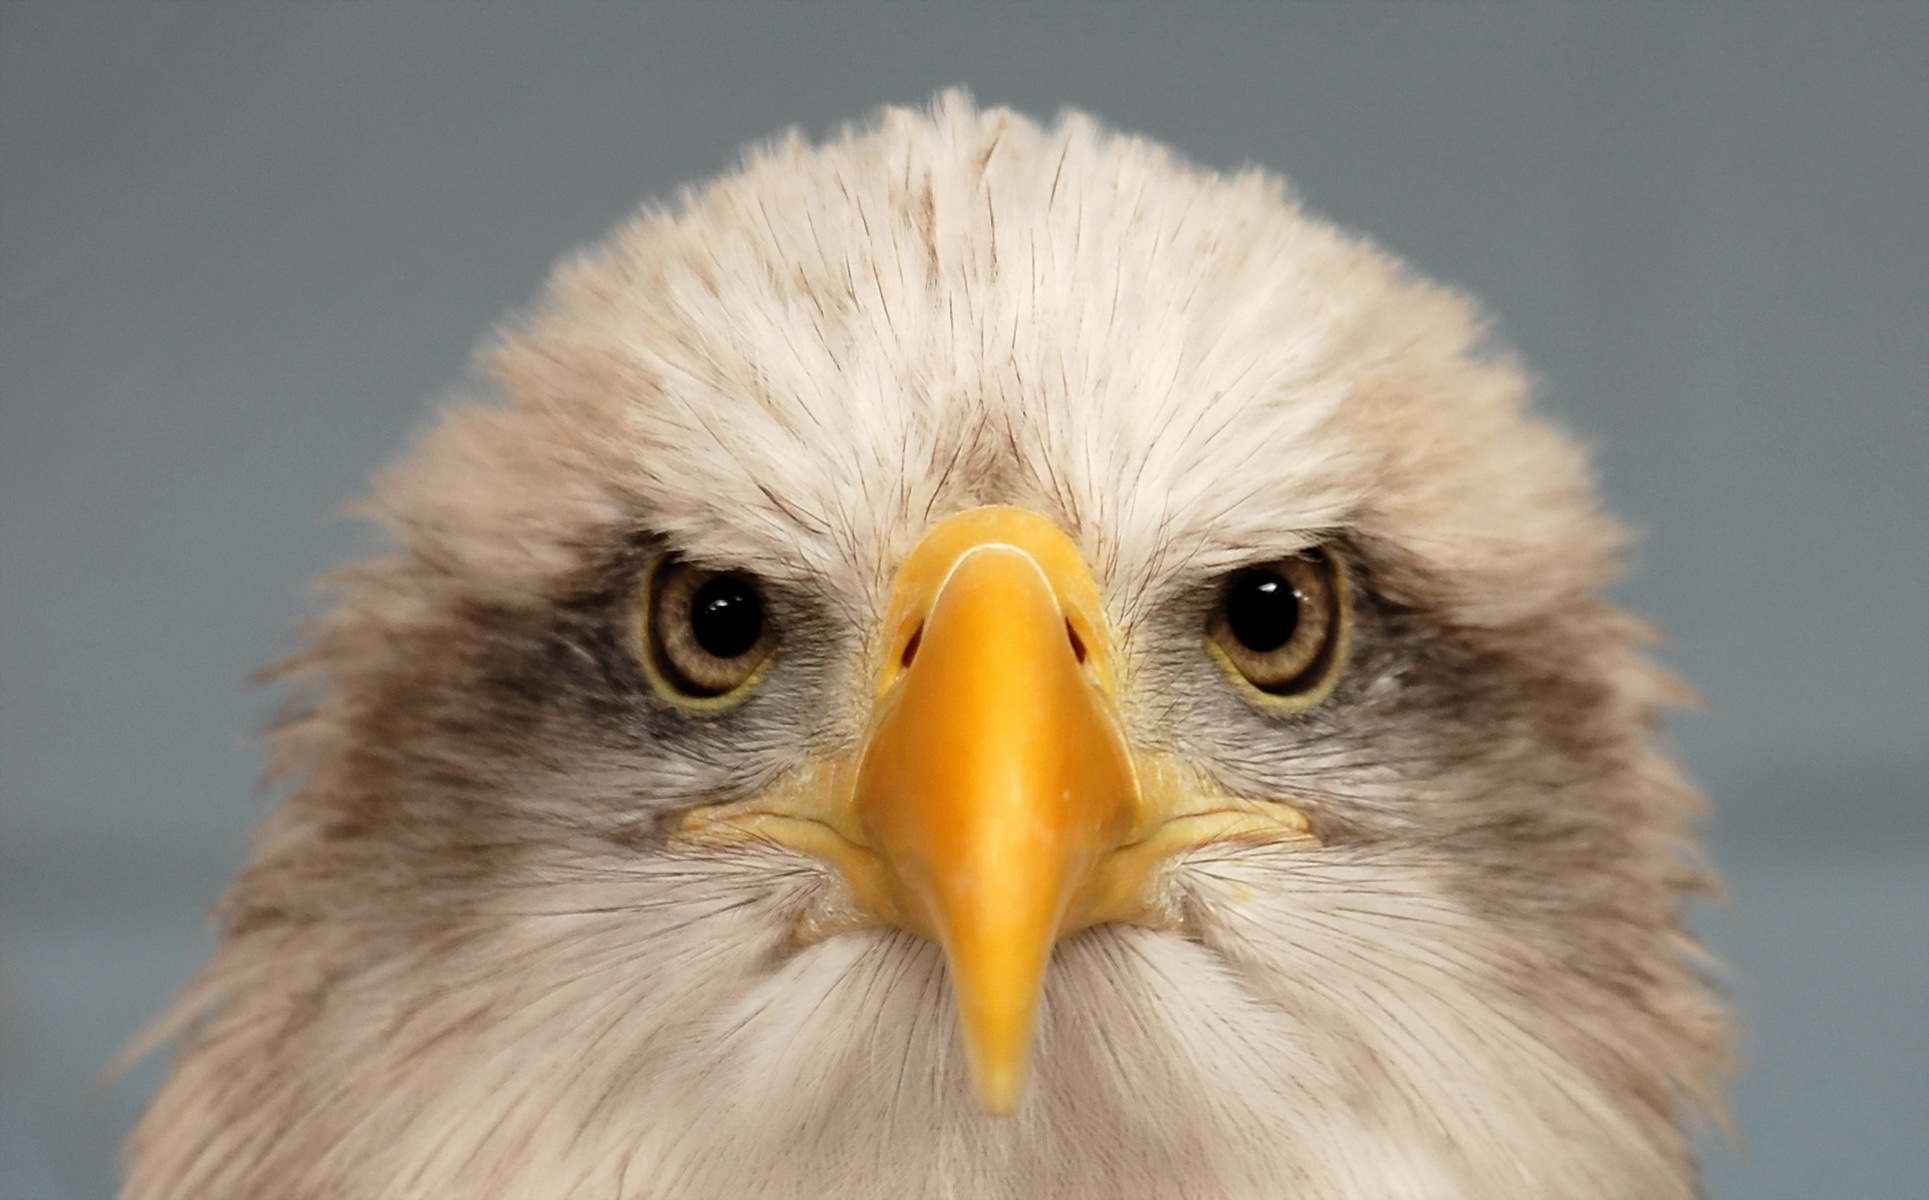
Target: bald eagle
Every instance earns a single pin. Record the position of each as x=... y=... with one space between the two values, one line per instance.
x=973 y=659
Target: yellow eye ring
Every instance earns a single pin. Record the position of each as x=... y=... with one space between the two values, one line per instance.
x=1279 y=629
x=705 y=636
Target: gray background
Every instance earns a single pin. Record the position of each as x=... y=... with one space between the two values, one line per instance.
x=245 y=246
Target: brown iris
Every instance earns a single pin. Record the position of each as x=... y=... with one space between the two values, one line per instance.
x=1278 y=626
x=707 y=632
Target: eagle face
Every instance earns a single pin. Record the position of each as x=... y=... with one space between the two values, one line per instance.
x=974 y=660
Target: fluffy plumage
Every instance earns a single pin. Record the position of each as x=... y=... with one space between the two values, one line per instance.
x=469 y=958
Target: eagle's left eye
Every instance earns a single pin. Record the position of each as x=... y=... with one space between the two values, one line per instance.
x=1279 y=627
x=707 y=633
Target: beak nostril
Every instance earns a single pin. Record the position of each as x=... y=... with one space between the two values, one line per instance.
x=1078 y=643
x=911 y=647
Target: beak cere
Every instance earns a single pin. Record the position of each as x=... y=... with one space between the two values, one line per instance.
x=995 y=782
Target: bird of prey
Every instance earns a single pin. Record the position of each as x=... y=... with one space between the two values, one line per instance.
x=973 y=659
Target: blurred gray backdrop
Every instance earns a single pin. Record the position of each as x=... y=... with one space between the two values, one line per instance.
x=245 y=246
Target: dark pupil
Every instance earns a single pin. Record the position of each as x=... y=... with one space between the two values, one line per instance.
x=727 y=617
x=1262 y=610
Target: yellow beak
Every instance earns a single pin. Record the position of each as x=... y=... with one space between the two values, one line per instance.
x=995 y=806
x=995 y=780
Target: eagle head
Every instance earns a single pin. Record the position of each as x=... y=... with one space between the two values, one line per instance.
x=969 y=660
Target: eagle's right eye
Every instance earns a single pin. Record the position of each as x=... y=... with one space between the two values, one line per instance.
x=1279 y=627
x=707 y=633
